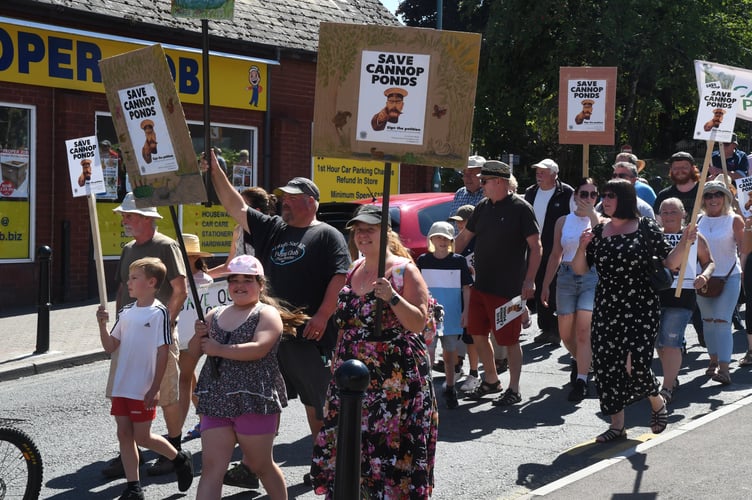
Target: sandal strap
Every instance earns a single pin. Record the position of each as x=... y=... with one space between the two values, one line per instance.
x=659 y=420
x=610 y=435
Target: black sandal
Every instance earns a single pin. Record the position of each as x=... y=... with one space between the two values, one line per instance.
x=611 y=435
x=484 y=389
x=659 y=420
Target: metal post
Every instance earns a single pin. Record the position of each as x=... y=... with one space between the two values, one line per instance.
x=44 y=256
x=352 y=379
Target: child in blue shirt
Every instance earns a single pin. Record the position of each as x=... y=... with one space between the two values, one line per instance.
x=448 y=278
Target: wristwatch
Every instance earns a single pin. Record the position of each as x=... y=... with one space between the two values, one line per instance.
x=395 y=299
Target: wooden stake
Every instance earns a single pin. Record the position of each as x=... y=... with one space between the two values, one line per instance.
x=695 y=210
x=96 y=238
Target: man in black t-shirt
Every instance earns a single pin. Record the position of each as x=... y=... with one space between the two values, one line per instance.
x=685 y=176
x=306 y=262
x=507 y=257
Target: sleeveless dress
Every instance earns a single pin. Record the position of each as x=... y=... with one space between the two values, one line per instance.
x=625 y=315
x=242 y=386
x=399 y=417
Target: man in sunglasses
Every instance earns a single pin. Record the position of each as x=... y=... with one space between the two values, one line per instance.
x=507 y=257
x=628 y=171
x=550 y=200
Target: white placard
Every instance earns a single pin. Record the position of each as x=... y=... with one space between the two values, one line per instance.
x=84 y=166
x=509 y=311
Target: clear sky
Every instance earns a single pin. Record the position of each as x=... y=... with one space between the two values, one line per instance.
x=391 y=4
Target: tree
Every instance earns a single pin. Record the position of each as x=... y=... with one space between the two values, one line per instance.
x=653 y=43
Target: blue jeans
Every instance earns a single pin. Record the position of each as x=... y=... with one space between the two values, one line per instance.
x=673 y=323
x=716 y=319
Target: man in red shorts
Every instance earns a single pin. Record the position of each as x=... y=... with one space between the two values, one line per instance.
x=507 y=257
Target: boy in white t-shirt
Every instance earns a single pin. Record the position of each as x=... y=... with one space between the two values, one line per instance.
x=142 y=336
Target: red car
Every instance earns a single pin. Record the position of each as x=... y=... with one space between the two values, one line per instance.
x=412 y=215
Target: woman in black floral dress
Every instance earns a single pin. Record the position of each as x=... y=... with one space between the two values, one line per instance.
x=626 y=310
x=399 y=416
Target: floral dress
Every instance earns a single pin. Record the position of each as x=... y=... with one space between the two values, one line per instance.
x=399 y=419
x=626 y=315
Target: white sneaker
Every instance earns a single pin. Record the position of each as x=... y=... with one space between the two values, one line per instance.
x=470 y=384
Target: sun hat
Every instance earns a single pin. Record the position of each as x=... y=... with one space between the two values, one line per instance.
x=128 y=206
x=368 y=214
x=193 y=246
x=630 y=158
x=441 y=228
x=299 y=185
x=548 y=164
x=496 y=168
x=463 y=213
x=245 y=264
x=713 y=186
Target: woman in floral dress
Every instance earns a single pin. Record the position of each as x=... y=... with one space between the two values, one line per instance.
x=626 y=310
x=399 y=417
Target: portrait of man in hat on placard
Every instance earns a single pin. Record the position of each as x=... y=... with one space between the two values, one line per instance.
x=150 y=146
x=586 y=113
x=85 y=172
x=392 y=110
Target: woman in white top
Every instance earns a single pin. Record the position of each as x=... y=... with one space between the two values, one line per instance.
x=574 y=293
x=724 y=231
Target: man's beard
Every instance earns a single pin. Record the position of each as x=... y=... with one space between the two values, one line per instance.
x=128 y=230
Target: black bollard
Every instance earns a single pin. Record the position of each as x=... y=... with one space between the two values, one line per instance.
x=352 y=379
x=44 y=255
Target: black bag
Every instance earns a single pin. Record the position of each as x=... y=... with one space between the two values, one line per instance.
x=659 y=275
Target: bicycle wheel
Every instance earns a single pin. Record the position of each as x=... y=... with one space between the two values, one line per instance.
x=20 y=466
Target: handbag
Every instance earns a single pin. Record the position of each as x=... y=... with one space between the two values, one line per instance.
x=660 y=276
x=714 y=286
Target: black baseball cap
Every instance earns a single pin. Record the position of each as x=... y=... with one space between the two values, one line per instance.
x=299 y=185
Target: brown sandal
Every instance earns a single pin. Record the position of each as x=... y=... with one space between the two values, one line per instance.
x=712 y=370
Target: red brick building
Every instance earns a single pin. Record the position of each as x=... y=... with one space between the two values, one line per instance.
x=49 y=93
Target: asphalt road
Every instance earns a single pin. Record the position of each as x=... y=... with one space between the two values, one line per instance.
x=484 y=451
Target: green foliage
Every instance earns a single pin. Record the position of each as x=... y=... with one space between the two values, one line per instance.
x=653 y=43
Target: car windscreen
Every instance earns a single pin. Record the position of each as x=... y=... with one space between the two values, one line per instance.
x=427 y=216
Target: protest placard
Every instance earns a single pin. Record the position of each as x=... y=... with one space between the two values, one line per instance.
x=587 y=98
x=397 y=94
x=210 y=296
x=151 y=128
x=84 y=167
x=509 y=311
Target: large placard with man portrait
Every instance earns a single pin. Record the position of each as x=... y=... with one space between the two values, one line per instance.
x=587 y=98
x=396 y=94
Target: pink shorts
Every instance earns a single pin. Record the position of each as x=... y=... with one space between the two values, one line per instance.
x=482 y=318
x=248 y=424
x=133 y=408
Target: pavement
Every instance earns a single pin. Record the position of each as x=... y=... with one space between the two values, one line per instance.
x=695 y=459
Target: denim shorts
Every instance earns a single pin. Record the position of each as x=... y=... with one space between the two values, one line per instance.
x=451 y=342
x=574 y=292
x=673 y=324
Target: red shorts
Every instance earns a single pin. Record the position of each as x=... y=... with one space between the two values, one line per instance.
x=133 y=408
x=482 y=318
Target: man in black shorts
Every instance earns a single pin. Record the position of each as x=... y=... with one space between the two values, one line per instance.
x=306 y=262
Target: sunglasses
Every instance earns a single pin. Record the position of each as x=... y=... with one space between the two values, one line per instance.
x=621 y=176
x=609 y=195
x=712 y=194
x=592 y=194
x=484 y=181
